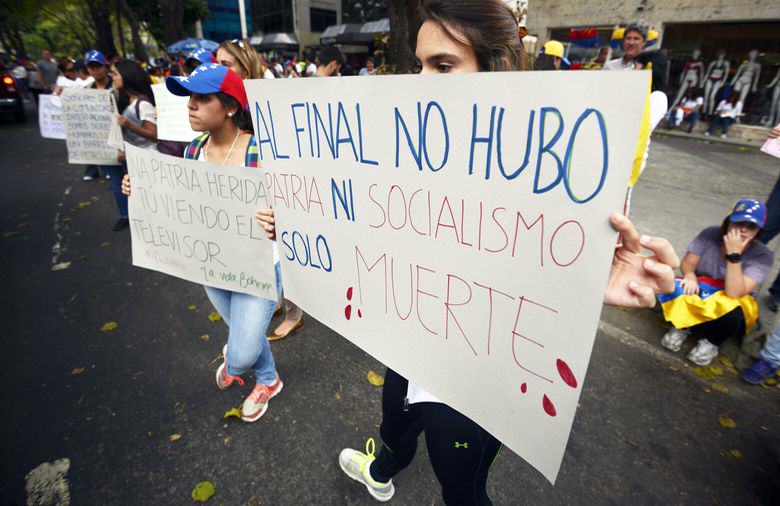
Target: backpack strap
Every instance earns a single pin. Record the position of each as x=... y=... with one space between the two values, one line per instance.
x=193 y=150
x=251 y=159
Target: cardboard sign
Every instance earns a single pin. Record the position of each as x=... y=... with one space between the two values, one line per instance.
x=772 y=147
x=196 y=221
x=456 y=227
x=93 y=135
x=173 y=122
x=50 y=117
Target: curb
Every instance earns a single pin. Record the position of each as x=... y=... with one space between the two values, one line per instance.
x=711 y=139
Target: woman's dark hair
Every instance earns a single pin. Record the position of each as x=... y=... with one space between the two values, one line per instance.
x=489 y=26
x=733 y=98
x=544 y=62
x=659 y=64
x=175 y=69
x=135 y=81
x=241 y=119
x=724 y=229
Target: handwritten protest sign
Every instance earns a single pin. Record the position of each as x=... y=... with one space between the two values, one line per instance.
x=173 y=122
x=92 y=133
x=456 y=228
x=196 y=221
x=772 y=146
x=50 y=117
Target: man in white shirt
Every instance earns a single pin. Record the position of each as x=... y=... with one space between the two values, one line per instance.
x=634 y=40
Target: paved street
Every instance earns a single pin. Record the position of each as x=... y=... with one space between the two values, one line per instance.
x=114 y=402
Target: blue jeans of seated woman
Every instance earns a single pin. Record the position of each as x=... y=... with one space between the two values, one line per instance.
x=117 y=172
x=247 y=317
x=724 y=123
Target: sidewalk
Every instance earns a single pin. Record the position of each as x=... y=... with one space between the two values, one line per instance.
x=661 y=133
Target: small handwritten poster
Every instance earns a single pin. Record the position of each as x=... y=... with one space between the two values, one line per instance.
x=93 y=135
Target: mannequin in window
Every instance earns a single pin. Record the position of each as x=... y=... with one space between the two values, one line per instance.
x=691 y=75
x=717 y=74
x=746 y=78
x=774 y=110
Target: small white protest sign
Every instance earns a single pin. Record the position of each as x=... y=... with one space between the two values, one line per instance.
x=196 y=221
x=91 y=128
x=50 y=117
x=456 y=227
x=173 y=123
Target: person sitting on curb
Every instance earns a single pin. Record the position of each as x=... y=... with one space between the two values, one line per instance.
x=721 y=268
x=768 y=360
x=726 y=113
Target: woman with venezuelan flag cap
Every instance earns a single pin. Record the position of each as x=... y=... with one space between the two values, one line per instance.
x=722 y=267
x=218 y=107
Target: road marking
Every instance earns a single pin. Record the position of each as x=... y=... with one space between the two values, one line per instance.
x=61 y=245
x=47 y=484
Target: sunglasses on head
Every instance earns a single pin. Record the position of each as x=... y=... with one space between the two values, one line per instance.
x=238 y=42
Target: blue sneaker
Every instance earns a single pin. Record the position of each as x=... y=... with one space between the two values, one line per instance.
x=758 y=372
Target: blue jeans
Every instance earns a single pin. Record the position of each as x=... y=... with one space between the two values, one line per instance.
x=772 y=227
x=247 y=317
x=724 y=122
x=117 y=172
x=92 y=171
x=692 y=118
x=771 y=350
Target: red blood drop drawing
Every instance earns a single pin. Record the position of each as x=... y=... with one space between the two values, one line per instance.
x=548 y=406
x=348 y=311
x=524 y=388
x=566 y=375
x=360 y=315
x=349 y=293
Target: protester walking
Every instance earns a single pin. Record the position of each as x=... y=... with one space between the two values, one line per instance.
x=98 y=68
x=138 y=121
x=722 y=267
x=634 y=41
x=218 y=106
x=472 y=36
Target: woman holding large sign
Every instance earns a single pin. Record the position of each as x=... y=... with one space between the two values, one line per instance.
x=218 y=106
x=460 y=36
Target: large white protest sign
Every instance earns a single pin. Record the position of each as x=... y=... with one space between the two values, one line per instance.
x=173 y=123
x=50 y=117
x=92 y=133
x=456 y=228
x=196 y=221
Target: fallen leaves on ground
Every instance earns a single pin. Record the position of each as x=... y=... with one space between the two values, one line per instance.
x=22 y=225
x=67 y=218
x=203 y=491
x=735 y=453
x=174 y=437
x=375 y=379
x=204 y=337
x=704 y=372
x=83 y=204
x=717 y=371
x=768 y=383
x=77 y=370
x=235 y=412
x=727 y=422
x=11 y=233
x=105 y=244
x=720 y=388
x=109 y=326
x=673 y=368
x=214 y=316
x=192 y=307
x=60 y=266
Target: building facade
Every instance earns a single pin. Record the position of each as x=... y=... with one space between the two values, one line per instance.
x=301 y=21
x=716 y=47
x=224 y=22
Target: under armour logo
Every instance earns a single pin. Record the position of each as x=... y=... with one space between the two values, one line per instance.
x=461 y=445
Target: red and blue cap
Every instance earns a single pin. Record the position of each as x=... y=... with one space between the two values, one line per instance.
x=750 y=210
x=202 y=55
x=207 y=79
x=94 y=56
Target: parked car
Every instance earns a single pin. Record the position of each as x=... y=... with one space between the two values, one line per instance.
x=10 y=98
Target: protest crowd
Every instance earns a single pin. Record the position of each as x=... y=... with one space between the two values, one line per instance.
x=710 y=295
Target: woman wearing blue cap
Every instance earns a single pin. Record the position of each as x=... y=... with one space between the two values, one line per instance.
x=722 y=267
x=218 y=106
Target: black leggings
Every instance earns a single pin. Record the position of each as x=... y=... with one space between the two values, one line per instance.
x=461 y=451
x=731 y=324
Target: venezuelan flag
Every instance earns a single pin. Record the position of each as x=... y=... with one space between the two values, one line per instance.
x=685 y=311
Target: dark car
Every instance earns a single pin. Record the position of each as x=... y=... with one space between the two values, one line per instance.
x=10 y=98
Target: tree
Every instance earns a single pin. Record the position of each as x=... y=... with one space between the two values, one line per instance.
x=404 y=23
x=139 y=50
x=100 y=15
x=154 y=15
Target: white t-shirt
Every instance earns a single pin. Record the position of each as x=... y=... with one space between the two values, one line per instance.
x=65 y=82
x=311 y=69
x=145 y=113
x=693 y=103
x=84 y=83
x=268 y=74
x=618 y=64
x=726 y=110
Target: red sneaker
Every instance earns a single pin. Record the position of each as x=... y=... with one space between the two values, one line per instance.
x=256 y=404
x=224 y=380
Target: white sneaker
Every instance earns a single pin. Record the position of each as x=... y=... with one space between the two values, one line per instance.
x=356 y=465
x=707 y=134
x=87 y=178
x=674 y=339
x=703 y=353
x=722 y=136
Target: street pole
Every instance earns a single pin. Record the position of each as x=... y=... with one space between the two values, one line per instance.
x=242 y=16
